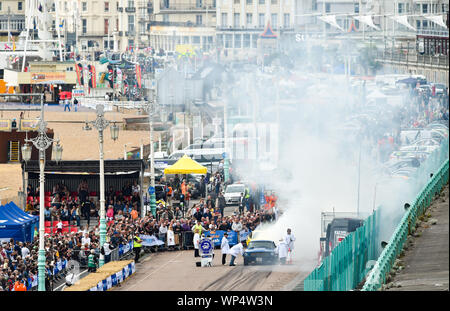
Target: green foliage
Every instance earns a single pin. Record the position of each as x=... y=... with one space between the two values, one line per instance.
x=367 y=59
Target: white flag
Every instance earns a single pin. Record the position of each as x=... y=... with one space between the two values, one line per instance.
x=403 y=19
x=438 y=19
x=367 y=19
x=331 y=19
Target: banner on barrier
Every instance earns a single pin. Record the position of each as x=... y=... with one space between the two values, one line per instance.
x=150 y=240
x=218 y=235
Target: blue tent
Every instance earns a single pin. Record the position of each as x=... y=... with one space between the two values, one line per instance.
x=14 y=210
x=12 y=226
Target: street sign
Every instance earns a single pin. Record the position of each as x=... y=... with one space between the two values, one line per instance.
x=151 y=190
x=206 y=246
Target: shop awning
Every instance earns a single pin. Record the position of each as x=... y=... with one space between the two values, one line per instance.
x=185 y=165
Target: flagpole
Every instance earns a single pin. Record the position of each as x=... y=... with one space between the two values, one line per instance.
x=58 y=26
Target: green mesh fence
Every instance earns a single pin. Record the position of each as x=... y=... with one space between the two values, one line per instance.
x=352 y=259
x=346 y=266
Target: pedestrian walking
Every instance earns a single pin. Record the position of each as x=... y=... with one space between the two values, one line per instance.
x=236 y=250
x=225 y=247
x=66 y=104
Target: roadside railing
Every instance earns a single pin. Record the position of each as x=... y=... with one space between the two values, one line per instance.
x=377 y=277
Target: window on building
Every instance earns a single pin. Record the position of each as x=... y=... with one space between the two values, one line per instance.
x=327 y=7
x=356 y=7
x=425 y=8
x=84 y=6
x=246 y=41
x=20 y=5
x=261 y=20
x=220 y=40
x=224 y=20
x=84 y=25
x=185 y=39
x=228 y=41
x=274 y=18
x=106 y=6
x=254 y=41
x=0 y=6
x=314 y=5
x=400 y=8
x=117 y=5
x=196 y=39
x=131 y=23
x=198 y=3
x=165 y=18
x=131 y=3
x=249 y=19
x=249 y=2
x=198 y=19
x=425 y=24
x=273 y=1
x=106 y=26
x=65 y=6
x=287 y=20
x=237 y=41
x=236 y=22
x=237 y=1
x=417 y=24
x=262 y=2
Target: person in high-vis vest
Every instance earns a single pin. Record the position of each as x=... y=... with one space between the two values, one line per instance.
x=137 y=245
x=247 y=199
x=92 y=266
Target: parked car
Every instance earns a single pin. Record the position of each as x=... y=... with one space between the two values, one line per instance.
x=261 y=252
x=233 y=193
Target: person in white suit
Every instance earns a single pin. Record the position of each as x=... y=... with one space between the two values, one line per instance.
x=236 y=250
x=170 y=237
x=196 y=241
x=282 y=250
x=289 y=239
x=225 y=247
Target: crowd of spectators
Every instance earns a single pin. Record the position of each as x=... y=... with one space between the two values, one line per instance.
x=174 y=213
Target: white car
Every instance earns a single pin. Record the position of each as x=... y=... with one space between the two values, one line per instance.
x=233 y=193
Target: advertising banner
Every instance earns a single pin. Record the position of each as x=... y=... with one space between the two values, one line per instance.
x=48 y=78
x=28 y=125
x=218 y=235
x=5 y=125
x=150 y=240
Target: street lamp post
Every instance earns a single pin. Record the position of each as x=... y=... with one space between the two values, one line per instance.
x=41 y=142
x=100 y=123
x=150 y=110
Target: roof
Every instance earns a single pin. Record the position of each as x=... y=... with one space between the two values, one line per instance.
x=87 y=166
x=268 y=32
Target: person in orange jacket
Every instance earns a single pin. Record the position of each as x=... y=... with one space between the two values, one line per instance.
x=19 y=287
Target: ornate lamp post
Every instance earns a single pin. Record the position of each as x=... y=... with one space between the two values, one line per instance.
x=150 y=110
x=41 y=142
x=100 y=123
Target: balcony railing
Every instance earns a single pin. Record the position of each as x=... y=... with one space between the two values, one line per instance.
x=389 y=56
x=178 y=24
x=433 y=32
x=192 y=5
x=130 y=10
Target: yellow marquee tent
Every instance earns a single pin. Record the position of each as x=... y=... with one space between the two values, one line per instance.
x=185 y=165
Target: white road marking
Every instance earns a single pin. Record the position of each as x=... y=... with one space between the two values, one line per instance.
x=178 y=255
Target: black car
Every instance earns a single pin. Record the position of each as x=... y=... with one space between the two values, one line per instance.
x=261 y=252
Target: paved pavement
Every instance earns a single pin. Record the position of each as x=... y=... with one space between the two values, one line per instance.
x=426 y=262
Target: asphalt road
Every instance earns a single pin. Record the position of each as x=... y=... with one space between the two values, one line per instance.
x=176 y=271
